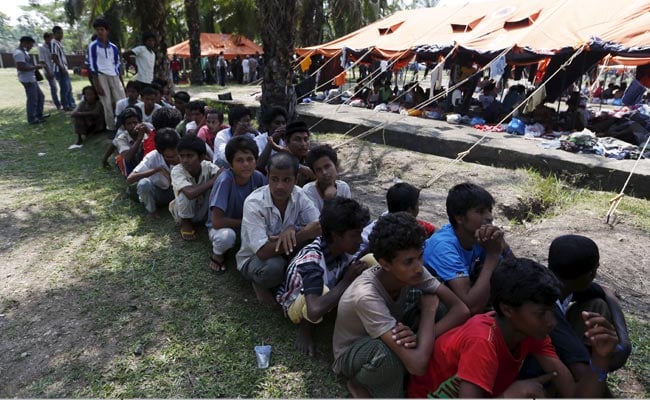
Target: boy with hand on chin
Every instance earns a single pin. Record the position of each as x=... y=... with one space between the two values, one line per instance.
x=482 y=357
x=465 y=252
x=374 y=341
x=322 y=270
x=192 y=181
x=278 y=219
x=324 y=162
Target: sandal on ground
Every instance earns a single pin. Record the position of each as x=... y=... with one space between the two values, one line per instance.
x=188 y=235
x=218 y=267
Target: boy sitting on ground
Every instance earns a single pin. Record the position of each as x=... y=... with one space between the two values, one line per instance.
x=129 y=140
x=192 y=181
x=153 y=173
x=181 y=99
x=278 y=220
x=131 y=100
x=574 y=260
x=88 y=117
x=482 y=357
x=465 y=252
x=374 y=339
x=239 y=118
x=148 y=105
x=296 y=137
x=196 y=109
x=230 y=190
x=324 y=162
x=322 y=270
x=401 y=196
x=213 y=124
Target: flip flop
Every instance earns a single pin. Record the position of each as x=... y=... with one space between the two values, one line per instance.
x=218 y=267
x=188 y=235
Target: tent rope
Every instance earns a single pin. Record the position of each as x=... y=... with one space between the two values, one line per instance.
x=614 y=202
x=463 y=154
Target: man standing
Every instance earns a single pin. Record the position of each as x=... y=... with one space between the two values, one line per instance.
x=105 y=67
x=246 y=69
x=26 y=76
x=45 y=59
x=145 y=60
x=61 y=69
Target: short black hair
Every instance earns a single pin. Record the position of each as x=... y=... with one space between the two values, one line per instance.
x=236 y=113
x=340 y=215
x=156 y=86
x=215 y=111
x=57 y=28
x=196 y=105
x=47 y=35
x=133 y=85
x=182 y=96
x=571 y=256
x=240 y=143
x=272 y=113
x=166 y=117
x=516 y=281
x=129 y=112
x=149 y=90
x=191 y=143
x=465 y=196
x=148 y=35
x=283 y=160
x=402 y=196
x=395 y=232
x=295 y=127
x=323 y=150
x=27 y=39
x=166 y=138
x=89 y=87
x=99 y=23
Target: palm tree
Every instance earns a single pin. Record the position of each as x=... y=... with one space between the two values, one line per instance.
x=278 y=37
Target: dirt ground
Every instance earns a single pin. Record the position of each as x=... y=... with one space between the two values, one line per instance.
x=46 y=318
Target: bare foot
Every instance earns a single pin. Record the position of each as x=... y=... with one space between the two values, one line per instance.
x=264 y=296
x=357 y=391
x=304 y=341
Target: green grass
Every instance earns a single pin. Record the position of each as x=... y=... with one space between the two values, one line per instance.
x=133 y=283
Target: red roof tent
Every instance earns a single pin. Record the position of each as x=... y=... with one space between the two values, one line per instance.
x=214 y=43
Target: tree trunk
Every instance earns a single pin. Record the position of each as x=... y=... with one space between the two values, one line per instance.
x=278 y=37
x=312 y=21
x=152 y=14
x=194 y=28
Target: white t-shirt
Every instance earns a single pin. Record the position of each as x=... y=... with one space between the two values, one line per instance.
x=342 y=190
x=153 y=160
x=145 y=117
x=145 y=60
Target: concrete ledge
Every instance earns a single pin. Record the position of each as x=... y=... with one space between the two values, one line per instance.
x=498 y=149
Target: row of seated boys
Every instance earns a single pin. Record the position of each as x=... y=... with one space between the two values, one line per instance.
x=309 y=261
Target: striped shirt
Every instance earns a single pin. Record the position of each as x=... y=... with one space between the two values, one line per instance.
x=104 y=60
x=56 y=48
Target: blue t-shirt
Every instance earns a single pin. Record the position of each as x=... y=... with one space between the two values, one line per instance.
x=445 y=258
x=229 y=197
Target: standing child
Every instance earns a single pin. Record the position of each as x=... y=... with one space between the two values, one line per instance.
x=192 y=180
x=230 y=190
x=106 y=70
x=153 y=173
x=324 y=162
x=88 y=117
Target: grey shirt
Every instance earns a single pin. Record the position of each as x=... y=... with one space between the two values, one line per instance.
x=21 y=55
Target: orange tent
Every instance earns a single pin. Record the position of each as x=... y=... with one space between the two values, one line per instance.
x=539 y=27
x=214 y=43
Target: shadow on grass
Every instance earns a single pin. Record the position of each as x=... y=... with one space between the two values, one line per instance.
x=130 y=286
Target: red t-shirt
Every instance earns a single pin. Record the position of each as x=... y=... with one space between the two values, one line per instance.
x=475 y=352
